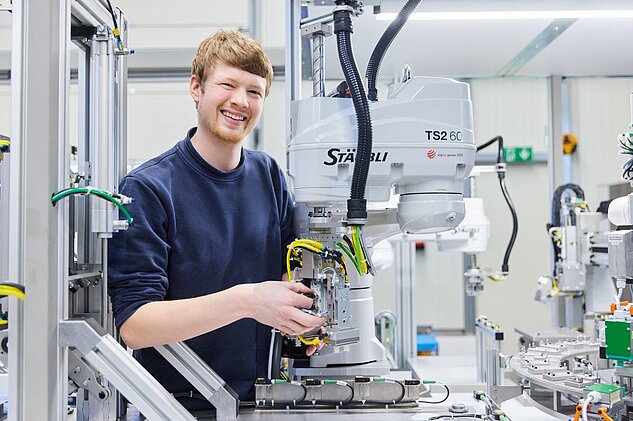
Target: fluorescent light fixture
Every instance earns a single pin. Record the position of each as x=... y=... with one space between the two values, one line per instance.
x=514 y=14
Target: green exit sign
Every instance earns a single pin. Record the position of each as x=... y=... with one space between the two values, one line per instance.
x=518 y=154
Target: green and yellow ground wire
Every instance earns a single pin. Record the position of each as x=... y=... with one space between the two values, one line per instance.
x=360 y=253
x=350 y=256
x=117 y=199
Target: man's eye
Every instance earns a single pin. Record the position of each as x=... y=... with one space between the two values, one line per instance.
x=257 y=93
x=228 y=85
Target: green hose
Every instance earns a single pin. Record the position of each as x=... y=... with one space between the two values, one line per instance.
x=97 y=192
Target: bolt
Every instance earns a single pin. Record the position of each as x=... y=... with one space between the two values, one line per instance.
x=77 y=370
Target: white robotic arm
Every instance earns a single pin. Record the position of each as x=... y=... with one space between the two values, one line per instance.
x=423 y=148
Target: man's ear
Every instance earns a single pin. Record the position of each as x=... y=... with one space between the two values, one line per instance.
x=195 y=89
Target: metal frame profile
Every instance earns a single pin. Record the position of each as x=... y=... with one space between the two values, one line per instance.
x=43 y=327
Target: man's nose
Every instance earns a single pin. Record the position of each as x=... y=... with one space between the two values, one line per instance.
x=240 y=98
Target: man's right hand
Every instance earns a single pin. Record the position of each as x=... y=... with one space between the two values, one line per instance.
x=278 y=304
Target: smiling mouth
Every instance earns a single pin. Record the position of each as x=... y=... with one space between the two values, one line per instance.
x=232 y=116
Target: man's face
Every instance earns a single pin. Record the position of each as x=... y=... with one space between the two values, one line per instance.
x=230 y=102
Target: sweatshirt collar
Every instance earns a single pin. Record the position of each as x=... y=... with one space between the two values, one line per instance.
x=198 y=162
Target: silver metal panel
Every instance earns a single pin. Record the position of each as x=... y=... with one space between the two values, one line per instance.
x=103 y=353
x=91 y=12
x=101 y=130
x=555 y=162
x=548 y=335
x=293 y=58
x=340 y=373
x=120 y=118
x=620 y=253
x=405 y=309
x=40 y=124
x=203 y=378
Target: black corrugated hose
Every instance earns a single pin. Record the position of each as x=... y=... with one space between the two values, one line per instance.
x=556 y=219
x=558 y=194
x=383 y=44
x=505 y=267
x=356 y=204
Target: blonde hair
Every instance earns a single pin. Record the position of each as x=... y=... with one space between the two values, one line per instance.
x=233 y=49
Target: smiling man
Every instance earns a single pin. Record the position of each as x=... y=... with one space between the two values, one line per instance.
x=204 y=259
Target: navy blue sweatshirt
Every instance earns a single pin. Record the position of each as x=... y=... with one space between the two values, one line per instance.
x=198 y=230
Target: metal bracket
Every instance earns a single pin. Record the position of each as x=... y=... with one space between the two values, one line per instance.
x=318 y=28
x=501 y=394
x=98 y=349
x=85 y=377
x=203 y=378
x=83 y=280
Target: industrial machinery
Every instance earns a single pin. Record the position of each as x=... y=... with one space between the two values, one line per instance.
x=589 y=377
x=471 y=235
x=417 y=143
x=580 y=281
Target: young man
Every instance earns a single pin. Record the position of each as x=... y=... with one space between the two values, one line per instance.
x=203 y=261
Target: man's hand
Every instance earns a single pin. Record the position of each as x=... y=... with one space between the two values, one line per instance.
x=314 y=348
x=278 y=304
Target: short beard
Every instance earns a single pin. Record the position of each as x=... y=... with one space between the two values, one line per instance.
x=229 y=137
x=232 y=138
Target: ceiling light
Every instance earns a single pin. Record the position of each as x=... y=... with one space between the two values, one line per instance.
x=514 y=14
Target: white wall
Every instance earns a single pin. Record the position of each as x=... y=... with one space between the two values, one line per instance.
x=165 y=24
x=159 y=115
x=600 y=112
x=516 y=109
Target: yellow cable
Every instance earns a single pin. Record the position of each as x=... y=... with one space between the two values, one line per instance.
x=304 y=243
x=288 y=264
x=11 y=291
x=3 y=322
x=496 y=279
x=555 y=290
x=299 y=243
x=304 y=341
x=312 y=242
x=305 y=246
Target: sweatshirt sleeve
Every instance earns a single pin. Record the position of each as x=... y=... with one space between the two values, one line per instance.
x=287 y=218
x=138 y=257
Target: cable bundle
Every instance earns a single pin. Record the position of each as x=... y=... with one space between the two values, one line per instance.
x=295 y=254
x=315 y=247
x=626 y=148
